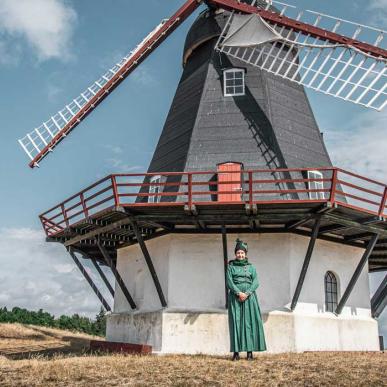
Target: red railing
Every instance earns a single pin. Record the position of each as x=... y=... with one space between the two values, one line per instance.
x=297 y=185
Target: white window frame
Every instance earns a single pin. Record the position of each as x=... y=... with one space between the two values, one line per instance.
x=154 y=189
x=225 y=86
x=316 y=185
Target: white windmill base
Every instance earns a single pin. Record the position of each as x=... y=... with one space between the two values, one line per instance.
x=191 y=273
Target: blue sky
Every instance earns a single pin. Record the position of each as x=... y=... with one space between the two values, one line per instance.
x=50 y=50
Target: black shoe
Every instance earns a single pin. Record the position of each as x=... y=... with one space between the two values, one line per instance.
x=235 y=356
x=249 y=356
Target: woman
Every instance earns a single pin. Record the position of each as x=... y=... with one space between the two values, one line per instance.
x=244 y=315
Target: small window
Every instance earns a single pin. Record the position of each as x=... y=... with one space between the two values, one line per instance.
x=330 y=283
x=234 y=82
x=154 y=189
x=316 y=185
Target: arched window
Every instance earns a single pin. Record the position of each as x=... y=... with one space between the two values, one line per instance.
x=330 y=282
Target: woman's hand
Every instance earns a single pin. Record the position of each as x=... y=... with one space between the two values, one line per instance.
x=242 y=296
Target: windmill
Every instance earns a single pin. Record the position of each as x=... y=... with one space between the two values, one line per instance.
x=240 y=153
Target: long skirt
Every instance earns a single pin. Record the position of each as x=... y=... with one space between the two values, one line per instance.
x=245 y=323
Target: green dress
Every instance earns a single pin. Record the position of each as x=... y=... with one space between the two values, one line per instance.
x=244 y=318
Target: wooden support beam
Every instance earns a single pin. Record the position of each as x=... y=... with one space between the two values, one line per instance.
x=379 y=300
x=225 y=262
x=91 y=234
x=114 y=237
x=149 y=262
x=356 y=237
x=372 y=229
x=305 y=265
x=117 y=275
x=332 y=228
x=357 y=273
x=103 y=276
x=159 y=225
x=298 y=223
x=372 y=220
x=88 y=279
x=200 y=224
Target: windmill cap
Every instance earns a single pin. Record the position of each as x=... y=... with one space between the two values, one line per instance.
x=209 y=25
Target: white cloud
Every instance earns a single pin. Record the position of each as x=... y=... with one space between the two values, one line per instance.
x=114 y=162
x=144 y=77
x=119 y=166
x=36 y=274
x=46 y=25
x=114 y=149
x=361 y=146
x=378 y=9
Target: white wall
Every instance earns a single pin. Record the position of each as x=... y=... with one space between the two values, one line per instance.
x=191 y=273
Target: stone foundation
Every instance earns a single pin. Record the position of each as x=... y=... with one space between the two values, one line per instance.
x=170 y=331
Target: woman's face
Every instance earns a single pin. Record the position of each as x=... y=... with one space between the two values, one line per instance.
x=240 y=254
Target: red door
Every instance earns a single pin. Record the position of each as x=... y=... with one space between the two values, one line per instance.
x=230 y=172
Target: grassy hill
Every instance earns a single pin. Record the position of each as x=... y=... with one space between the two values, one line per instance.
x=76 y=368
x=19 y=341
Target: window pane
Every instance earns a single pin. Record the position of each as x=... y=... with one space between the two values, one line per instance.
x=233 y=82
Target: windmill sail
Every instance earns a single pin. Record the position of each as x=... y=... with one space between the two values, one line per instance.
x=40 y=138
x=337 y=69
x=39 y=142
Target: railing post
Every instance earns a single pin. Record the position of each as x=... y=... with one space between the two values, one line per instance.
x=115 y=191
x=189 y=190
x=43 y=221
x=64 y=215
x=250 y=189
x=85 y=211
x=383 y=203
x=333 y=187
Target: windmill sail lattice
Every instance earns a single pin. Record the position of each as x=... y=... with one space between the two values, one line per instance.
x=340 y=70
x=34 y=142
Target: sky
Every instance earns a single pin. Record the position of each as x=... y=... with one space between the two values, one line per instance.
x=51 y=50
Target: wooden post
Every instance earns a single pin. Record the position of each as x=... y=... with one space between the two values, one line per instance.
x=305 y=265
x=149 y=262
x=102 y=275
x=251 y=190
x=84 y=207
x=64 y=213
x=357 y=273
x=116 y=274
x=379 y=300
x=190 y=191
x=225 y=262
x=115 y=191
x=88 y=279
x=383 y=203
x=333 y=187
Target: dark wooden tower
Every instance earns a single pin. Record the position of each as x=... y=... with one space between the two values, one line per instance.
x=271 y=126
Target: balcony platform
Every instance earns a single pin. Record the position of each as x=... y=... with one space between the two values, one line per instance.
x=105 y=211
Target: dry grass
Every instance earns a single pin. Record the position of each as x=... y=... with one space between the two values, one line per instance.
x=305 y=369
x=18 y=340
